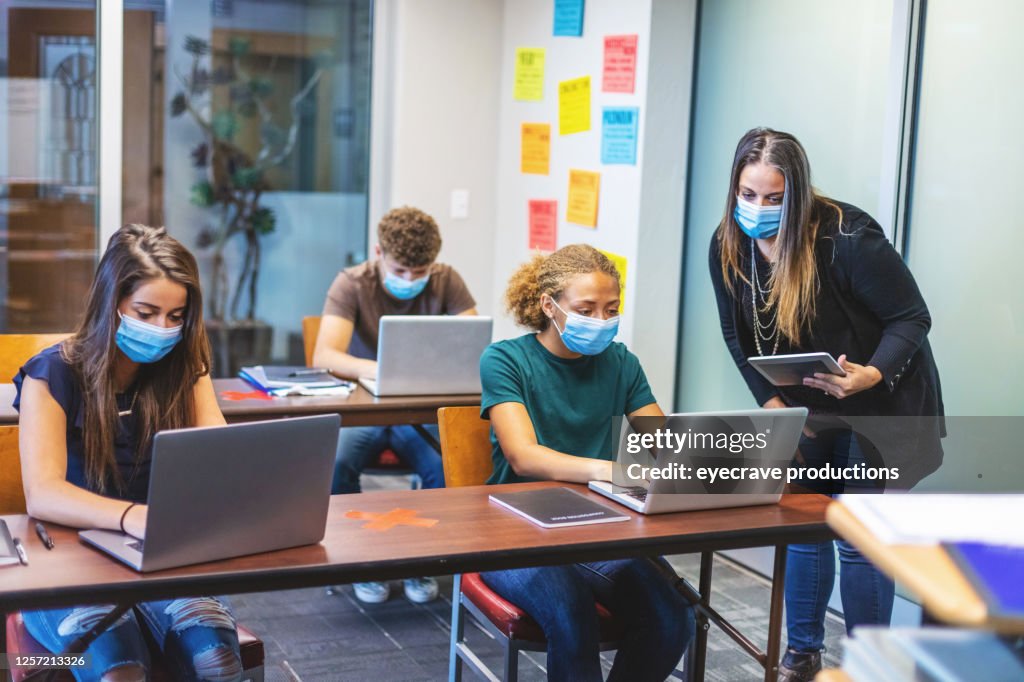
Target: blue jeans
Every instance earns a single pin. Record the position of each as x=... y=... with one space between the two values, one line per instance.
x=197 y=636
x=657 y=620
x=359 y=446
x=867 y=594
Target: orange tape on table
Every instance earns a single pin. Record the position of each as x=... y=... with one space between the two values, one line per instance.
x=245 y=395
x=388 y=520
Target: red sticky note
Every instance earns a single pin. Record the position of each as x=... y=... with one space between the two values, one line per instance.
x=619 y=64
x=543 y=224
x=245 y=395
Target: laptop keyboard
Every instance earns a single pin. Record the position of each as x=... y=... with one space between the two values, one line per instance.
x=137 y=544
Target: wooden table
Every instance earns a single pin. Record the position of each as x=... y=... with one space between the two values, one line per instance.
x=471 y=534
x=360 y=408
x=927 y=571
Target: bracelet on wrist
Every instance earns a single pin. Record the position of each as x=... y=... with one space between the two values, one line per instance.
x=125 y=515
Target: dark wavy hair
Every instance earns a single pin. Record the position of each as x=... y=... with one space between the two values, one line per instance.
x=135 y=255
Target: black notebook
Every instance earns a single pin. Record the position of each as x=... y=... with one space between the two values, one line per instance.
x=558 y=507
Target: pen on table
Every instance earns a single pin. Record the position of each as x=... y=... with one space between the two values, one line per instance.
x=22 y=554
x=308 y=372
x=44 y=537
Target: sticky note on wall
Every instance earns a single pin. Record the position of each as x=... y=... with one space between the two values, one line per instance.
x=620 y=265
x=535 y=148
x=619 y=126
x=574 y=106
x=529 y=74
x=568 y=20
x=584 y=190
x=543 y=224
x=619 y=64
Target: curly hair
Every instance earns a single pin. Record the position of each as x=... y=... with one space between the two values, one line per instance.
x=550 y=275
x=410 y=236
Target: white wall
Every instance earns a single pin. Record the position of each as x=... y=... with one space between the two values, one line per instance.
x=435 y=123
x=640 y=207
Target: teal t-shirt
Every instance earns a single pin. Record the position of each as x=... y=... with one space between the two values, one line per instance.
x=570 y=402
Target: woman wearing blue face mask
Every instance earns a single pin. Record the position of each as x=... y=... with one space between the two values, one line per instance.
x=796 y=272
x=137 y=364
x=551 y=397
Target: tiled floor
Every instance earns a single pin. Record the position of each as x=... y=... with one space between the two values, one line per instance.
x=311 y=635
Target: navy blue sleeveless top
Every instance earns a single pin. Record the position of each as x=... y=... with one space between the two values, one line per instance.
x=49 y=366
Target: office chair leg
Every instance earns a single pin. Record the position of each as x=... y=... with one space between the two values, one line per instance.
x=511 y=662
x=458 y=632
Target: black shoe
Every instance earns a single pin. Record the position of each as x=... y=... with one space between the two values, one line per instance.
x=799 y=666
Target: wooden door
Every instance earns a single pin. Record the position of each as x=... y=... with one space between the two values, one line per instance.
x=52 y=235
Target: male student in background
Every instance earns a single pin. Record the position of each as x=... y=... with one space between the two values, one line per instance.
x=403 y=279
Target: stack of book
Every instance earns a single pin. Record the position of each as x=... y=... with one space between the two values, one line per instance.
x=930 y=655
x=285 y=380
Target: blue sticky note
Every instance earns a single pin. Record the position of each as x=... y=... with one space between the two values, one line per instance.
x=618 y=134
x=568 y=18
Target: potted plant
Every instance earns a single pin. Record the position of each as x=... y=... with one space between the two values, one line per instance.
x=222 y=102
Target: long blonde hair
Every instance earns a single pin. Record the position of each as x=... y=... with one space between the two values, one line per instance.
x=165 y=394
x=794 y=278
x=550 y=275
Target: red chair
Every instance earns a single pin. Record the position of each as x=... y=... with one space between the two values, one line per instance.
x=19 y=640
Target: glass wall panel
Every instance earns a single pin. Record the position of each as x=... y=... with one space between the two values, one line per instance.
x=966 y=234
x=815 y=69
x=48 y=163
x=253 y=149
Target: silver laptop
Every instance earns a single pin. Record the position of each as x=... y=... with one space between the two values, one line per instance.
x=225 y=491
x=429 y=355
x=662 y=495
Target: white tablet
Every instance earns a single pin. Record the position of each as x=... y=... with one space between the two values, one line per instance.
x=790 y=370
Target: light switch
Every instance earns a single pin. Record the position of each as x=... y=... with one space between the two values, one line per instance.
x=460 y=204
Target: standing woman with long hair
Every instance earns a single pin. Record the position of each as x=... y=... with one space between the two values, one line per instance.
x=138 y=364
x=795 y=272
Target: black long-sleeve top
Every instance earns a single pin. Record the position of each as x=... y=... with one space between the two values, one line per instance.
x=868 y=306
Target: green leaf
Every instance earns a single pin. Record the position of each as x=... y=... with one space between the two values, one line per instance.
x=225 y=125
x=196 y=46
x=178 y=105
x=261 y=87
x=202 y=194
x=239 y=47
x=247 y=178
x=263 y=221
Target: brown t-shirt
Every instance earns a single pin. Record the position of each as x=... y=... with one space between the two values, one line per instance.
x=357 y=294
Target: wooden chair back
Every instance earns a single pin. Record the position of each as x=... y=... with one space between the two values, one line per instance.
x=465 y=446
x=310 y=329
x=12 y=492
x=16 y=349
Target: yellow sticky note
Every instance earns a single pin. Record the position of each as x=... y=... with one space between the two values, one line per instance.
x=584 y=189
x=529 y=77
x=620 y=265
x=535 y=152
x=574 y=106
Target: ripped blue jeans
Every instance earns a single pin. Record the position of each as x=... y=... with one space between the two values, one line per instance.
x=197 y=636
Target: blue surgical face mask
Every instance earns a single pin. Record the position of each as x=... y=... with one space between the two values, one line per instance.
x=758 y=222
x=144 y=342
x=404 y=289
x=586 y=335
